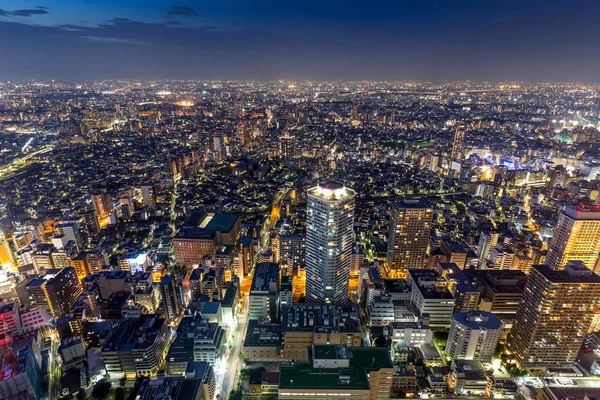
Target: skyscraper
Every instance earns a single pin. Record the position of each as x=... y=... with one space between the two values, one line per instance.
x=329 y=237
x=576 y=237
x=287 y=146
x=554 y=315
x=458 y=145
x=409 y=236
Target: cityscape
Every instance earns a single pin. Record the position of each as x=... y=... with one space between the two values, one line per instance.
x=232 y=201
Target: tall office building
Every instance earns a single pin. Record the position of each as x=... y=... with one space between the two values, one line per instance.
x=287 y=146
x=487 y=241
x=553 y=318
x=576 y=237
x=458 y=145
x=329 y=237
x=409 y=236
x=102 y=204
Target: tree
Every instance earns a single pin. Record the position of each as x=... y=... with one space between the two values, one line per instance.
x=81 y=394
x=136 y=387
x=236 y=395
x=101 y=389
x=120 y=394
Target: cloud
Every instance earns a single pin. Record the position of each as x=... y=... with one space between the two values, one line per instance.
x=182 y=11
x=100 y=39
x=27 y=12
x=173 y=23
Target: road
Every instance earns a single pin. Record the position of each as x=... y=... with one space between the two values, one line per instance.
x=54 y=370
x=233 y=360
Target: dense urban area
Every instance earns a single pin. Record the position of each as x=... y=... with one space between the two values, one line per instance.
x=194 y=240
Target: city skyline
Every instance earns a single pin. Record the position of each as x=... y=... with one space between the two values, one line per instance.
x=481 y=41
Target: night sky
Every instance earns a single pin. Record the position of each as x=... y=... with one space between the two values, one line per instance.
x=495 y=40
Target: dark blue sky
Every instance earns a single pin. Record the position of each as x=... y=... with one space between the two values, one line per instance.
x=535 y=40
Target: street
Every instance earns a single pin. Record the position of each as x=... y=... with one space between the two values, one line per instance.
x=54 y=370
x=226 y=380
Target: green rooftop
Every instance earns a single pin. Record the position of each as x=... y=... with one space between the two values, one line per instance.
x=302 y=374
x=222 y=222
x=325 y=351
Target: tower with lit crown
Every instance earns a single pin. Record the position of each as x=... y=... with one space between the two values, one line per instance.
x=329 y=238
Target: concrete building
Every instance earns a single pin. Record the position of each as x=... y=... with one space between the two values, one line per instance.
x=381 y=311
x=430 y=296
x=191 y=244
x=473 y=335
x=541 y=336
x=329 y=238
x=264 y=292
x=500 y=292
x=466 y=295
x=196 y=340
x=408 y=236
x=21 y=376
x=487 y=241
x=410 y=333
x=137 y=346
x=263 y=342
x=338 y=371
x=55 y=292
x=306 y=324
x=198 y=384
x=227 y=227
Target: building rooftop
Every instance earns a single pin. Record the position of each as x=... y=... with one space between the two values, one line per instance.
x=302 y=374
x=138 y=333
x=331 y=190
x=221 y=222
x=195 y=233
x=320 y=318
x=573 y=273
x=478 y=320
x=259 y=335
x=264 y=275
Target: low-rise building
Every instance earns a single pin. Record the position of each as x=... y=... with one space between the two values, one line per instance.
x=196 y=340
x=306 y=324
x=338 y=371
x=136 y=346
x=198 y=384
x=431 y=296
x=468 y=377
x=262 y=342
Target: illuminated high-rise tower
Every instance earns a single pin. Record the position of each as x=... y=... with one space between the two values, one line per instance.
x=458 y=145
x=329 y=238
x=408 y=236
x=576 y=237
x=554 y=315
x=287 y=146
